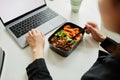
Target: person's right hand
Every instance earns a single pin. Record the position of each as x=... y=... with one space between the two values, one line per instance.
x=35 y=40
x=92 y=28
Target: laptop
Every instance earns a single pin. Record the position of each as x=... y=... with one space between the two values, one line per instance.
x=20 y=16
x=2 y=55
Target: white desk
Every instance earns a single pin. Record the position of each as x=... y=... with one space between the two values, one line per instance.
x=69 y=68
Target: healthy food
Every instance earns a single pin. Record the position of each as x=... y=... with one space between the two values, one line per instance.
x=66 y=38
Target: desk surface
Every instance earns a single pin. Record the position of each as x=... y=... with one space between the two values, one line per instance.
x=69 y=68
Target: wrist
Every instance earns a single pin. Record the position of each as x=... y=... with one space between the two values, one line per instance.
x=102 y=38
x=37 y=56
x=37 y=53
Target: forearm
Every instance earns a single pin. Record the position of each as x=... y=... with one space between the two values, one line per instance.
x=38 y=70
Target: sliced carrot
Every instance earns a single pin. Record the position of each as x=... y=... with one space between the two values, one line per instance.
x=67 y=27
x=77 y=38
x=71 y=32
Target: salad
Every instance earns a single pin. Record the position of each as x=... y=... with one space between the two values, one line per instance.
x=66 y=38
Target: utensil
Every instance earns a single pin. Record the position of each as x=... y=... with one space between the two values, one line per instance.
x=81 y=31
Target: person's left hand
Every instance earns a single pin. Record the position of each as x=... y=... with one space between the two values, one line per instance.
x=92 y=28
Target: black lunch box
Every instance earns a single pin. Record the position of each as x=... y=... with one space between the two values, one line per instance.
x=59 y=51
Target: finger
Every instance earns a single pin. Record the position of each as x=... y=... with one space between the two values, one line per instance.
x=37 y=31
x=92 y=29
x=88 y=32
x=27 y=39
x=93 y=24
x=30 y=33
x=86 y=25
x=33 y=31
x=42 y=34
x=29 y=36
x=87 y=29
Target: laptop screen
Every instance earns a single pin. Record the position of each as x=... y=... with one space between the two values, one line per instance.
x=11 y=9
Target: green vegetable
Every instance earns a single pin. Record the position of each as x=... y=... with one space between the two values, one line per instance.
x=68 y=39
x=73 y=42
x=63 y=34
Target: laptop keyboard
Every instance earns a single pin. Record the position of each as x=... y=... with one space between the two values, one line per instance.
x=34 y=21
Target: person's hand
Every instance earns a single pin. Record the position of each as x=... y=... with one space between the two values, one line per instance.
x=92 y=28
x=36 y=41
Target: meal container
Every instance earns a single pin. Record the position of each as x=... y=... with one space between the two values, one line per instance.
x=59 y=51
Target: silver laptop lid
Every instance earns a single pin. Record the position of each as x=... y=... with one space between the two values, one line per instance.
x=10 y=10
